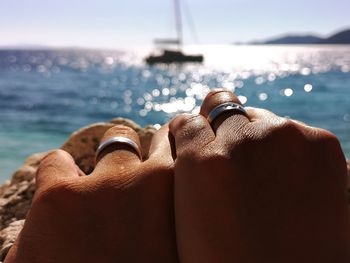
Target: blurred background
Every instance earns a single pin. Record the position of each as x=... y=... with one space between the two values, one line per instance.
x=66 y=64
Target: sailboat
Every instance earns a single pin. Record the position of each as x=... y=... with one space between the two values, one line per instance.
x=173 y=55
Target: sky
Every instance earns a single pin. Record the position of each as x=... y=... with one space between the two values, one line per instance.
x=132 y=23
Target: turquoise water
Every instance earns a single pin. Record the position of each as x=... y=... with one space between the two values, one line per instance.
x=45 y=95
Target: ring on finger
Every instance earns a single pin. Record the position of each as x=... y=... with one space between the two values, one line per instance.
x=118 y=140
x=224 y=107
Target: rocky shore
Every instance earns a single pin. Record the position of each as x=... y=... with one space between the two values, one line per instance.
x=16 y=194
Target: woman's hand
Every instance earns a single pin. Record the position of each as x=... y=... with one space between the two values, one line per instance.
x=122 y=212
x=258 y=188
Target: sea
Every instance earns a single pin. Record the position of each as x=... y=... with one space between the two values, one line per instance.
x=46 y=94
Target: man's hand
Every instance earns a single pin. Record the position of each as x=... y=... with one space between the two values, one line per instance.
x=258 y=188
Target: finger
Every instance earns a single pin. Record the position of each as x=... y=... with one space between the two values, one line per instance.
x=257 y=114
x=160 y=159
x=266 y=120
x=161 y=148
x=118 y=155
x=57 y=166
x=262 y=115
x=231 y=121
x=191 y=133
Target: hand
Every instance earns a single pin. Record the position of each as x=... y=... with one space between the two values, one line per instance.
x=258 y=189
x=122 y=212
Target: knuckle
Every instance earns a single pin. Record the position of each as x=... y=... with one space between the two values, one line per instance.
x=190 y=132
x=55 y=154
x=282 y=129
x=274 y=136
x=50 y=160
x=190 y=120
x=219 y=92
x=327 y=139
x=182 y=120
x=287 y=126
x=327 y=135
x=215 y=92
x=186 y=122
x=120 y=129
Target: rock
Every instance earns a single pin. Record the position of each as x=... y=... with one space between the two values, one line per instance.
x=4 y=187
x=24 y=173
x=35 y=159
x=27 y=171
x=16 y=195
x=8 y=237
x=15 y=202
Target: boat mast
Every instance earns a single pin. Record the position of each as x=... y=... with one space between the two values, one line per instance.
x=178 y=22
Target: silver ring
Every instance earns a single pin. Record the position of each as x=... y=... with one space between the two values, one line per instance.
x=118 y=140
x=228 y=106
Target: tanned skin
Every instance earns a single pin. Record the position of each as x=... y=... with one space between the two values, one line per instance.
x=258 y=189
x=122 y=212
x=245 y=189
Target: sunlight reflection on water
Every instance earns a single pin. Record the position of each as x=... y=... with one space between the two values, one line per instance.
x=58 y=91
x=178 y=89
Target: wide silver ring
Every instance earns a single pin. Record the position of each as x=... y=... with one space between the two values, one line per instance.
x=228 y=106
x=118 y=140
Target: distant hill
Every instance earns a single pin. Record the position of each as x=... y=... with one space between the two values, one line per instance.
x=308 y=39
x=342 y=37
